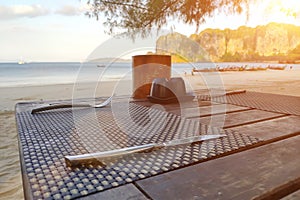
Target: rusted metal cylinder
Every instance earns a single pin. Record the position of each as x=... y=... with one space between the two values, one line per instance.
x=145 y=69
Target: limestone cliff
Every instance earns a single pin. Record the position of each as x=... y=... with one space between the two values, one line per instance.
x=181 y=47
x=245 y=42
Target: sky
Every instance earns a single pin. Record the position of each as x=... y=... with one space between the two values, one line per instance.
x=52 y=31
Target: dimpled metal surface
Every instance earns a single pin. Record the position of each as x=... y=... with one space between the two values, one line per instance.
x=262 y=101
x=45 y=138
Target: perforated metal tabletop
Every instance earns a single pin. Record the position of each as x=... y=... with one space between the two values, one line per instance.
x=46 y=137
x=263 y=101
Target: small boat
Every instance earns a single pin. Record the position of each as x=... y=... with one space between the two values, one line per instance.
x=277 y=67
x=21 y=61
x=101 y=65
x=204 y=70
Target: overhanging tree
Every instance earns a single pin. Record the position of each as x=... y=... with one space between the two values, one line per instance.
x=139 y=17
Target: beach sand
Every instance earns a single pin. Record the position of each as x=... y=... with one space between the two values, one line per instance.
x=279 y=82
x=285 y=82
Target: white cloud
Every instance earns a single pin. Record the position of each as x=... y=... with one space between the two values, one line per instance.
x=70 y=10
x=18 y=11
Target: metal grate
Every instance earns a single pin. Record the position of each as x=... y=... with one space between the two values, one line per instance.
x=47 y=137
x=262 y=101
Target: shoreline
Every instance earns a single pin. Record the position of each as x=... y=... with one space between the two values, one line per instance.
x=284 y=82
x=10 y=96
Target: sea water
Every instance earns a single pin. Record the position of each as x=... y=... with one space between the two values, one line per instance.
x=47 y=73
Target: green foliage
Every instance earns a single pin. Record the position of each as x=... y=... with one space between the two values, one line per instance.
x=296 y=50
x=133 y=17
x=228 y=57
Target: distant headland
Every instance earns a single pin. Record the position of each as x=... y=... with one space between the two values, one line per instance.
x=274 y=42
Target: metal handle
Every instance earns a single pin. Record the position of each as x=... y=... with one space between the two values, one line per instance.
x=58 y=106
x=52 y=107
x=76 y=160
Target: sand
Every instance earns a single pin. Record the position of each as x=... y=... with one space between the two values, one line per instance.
x=279 y=82
x=10 y=175
x=285 y=82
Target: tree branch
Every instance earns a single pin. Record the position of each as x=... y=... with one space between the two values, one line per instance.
x=139 y=16
x=151 y=20
x=123 y=4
